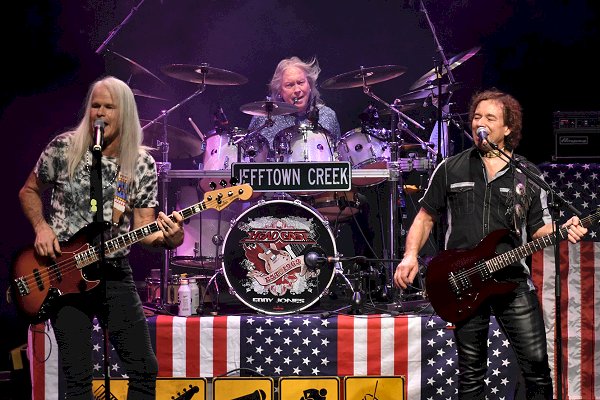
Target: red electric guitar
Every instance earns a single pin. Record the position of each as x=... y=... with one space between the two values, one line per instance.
x=36 y=282
x=459 y=281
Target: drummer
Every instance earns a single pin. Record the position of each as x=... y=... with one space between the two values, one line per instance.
x=294 y=82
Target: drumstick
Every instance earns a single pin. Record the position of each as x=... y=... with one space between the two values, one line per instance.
x=196 y=129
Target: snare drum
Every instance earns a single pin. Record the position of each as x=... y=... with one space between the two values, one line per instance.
x=221 y=151
x=263 y=257
x=336 y=206
x=363 y=150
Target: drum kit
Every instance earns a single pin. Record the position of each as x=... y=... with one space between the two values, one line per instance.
x=261 y=248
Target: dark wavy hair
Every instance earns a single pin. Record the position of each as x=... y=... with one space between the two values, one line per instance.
x=513 y=113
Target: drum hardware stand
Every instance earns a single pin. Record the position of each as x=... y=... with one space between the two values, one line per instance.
x=163 y=169
x=212 y=279
x=357 y=305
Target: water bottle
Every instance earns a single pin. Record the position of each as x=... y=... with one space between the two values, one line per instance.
x=195 y=294
x=185 y=298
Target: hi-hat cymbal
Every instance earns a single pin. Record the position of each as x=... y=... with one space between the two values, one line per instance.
x=139 y=93
x=134 y=66
x=427 y=91
x=202 y=73
x=182 y=144
x=265 y=108
x=370 y=75
x=454 y=62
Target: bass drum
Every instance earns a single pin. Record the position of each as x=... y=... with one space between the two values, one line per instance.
x=263 y=257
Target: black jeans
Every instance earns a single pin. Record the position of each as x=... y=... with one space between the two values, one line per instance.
x=520 y=318
x=128 y=332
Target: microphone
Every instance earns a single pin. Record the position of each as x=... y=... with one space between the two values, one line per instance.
x=98 y=135
x=482 y=133
x=312 y=259
x=313 y=115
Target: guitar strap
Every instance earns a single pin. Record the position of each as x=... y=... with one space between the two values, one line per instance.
x=522 y=197
x=120 y=200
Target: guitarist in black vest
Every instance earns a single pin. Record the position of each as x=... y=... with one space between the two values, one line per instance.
x=129 y=186
x=477 y=192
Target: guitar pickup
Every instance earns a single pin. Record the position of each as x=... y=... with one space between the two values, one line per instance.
x=459 y=282
x=38 y=279
x=22 y=286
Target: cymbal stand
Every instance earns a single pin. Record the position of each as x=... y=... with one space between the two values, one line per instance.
x=116 y=30
x=163 y=168
x=395 y=175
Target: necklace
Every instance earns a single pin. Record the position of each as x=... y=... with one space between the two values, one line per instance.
x=492 y=154
x=88 y=168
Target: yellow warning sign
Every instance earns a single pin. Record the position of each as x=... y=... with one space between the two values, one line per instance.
x=237 y=388
x=309 y=388
x=166 y=388
x=374 y=387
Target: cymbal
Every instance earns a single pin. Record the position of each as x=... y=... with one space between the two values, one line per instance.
x=135 y=67
x=454 y=62
x=429 y=90
x=202 y=73
x=400 y=107
x=182 y=144
x=139 y=93
x=371 y=76
x=265 y=108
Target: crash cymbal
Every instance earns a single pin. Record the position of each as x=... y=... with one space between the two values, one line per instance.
x=371 y=76
x=182 y=144
x=134 y=66
x=427 y=91
x=202 y=73
x=454 y=62
x=139 y=93
x=265 y=108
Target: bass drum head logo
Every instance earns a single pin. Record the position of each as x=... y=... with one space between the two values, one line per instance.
x=263 y=257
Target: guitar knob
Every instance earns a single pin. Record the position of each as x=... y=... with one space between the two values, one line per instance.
x=223 y=183
x=212 y=185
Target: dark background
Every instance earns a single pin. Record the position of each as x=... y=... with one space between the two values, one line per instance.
x=543 y=52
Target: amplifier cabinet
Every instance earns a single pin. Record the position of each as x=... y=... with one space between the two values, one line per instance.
x=576 y=136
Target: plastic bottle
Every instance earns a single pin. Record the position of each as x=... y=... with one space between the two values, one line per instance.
x=185 y=298
x=195 y=294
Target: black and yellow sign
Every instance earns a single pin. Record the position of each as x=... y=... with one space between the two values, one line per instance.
x=166 y=388
x=374 y=387
x=309 y=388
x=236 y=388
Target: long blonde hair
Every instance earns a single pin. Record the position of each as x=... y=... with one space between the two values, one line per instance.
x=128 y=126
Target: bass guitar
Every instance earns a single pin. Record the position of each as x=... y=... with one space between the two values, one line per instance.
x=37 y=282
x=458 y=281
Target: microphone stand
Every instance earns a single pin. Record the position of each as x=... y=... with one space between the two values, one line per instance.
x=97 y=202
x=554 y=205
